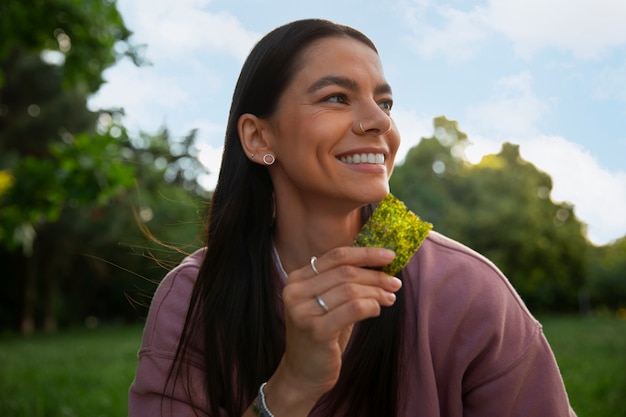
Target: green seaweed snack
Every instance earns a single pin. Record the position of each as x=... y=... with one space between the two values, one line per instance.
x=394 y=227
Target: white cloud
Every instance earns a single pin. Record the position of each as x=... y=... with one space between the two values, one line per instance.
x=599 y=195
x=412 y=127
x=211 y=158
x=209 y=155
x=456 y=40
x=457 y=37
x=512 y=111
x=480 y=146
x=585 y=28
x=184 y=28
x=133 y=87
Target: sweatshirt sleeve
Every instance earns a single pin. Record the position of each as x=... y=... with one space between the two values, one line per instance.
x=530 y=386
x=489 y=356
x=162 y=331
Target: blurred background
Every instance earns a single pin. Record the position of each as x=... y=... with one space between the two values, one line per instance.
x=110 y=143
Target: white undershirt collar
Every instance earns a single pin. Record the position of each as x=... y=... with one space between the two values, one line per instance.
x=278 y=263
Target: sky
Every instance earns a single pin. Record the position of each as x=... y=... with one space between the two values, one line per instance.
x=548 y=75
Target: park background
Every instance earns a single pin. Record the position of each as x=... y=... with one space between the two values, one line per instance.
x=97 y=203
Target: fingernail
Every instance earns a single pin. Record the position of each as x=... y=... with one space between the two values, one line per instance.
x=395 y=282
x=391 y=297
x=387 y=254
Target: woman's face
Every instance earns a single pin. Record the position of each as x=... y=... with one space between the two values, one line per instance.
x=335 y=110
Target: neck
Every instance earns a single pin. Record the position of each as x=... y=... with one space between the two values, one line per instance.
x=304 y=231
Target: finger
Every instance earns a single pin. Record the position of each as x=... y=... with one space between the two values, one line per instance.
x=347 y=292
x=320 y=301
x=298 y=291
x=355 y=256
x=327 y=325
x=329 y=301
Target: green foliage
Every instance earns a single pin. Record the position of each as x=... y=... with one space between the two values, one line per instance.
x=394 y=227
x=47 y=140
x=71 y=179
x=500 y=207
x=104 y=255
x=423 y=182
x=88 y=36
x=538 y=243
x=607 y=275
x=6 y=181
x=87 y=171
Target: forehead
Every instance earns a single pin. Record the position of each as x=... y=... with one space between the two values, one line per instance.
x=343 y=56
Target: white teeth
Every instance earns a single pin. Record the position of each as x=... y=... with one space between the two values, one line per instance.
x=364 y=158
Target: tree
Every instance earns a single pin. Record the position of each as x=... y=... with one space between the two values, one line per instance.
x=607 y=275
x=51 y=58
x=76 y=192
x=425 y=179
x=502 y=208
x=83 y=37
x=538 y=243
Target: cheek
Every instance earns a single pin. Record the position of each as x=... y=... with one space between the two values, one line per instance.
x=394 y=144
x=321 y=125
x=311 y=133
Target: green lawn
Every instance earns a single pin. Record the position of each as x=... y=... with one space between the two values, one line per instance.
x=80 y=373
x=591 y=353
x=86 y=373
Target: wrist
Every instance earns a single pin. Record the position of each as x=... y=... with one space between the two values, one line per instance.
x=283 y=396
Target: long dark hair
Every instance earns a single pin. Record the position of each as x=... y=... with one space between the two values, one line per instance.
x=235 y=310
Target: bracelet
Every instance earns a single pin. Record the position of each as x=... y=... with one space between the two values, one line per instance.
x=265 y=412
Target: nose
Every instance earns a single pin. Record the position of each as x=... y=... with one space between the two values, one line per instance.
x=375 y=130
x=378 y=123
x=365 y=127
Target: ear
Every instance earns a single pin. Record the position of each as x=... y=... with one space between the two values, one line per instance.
x=253 y=133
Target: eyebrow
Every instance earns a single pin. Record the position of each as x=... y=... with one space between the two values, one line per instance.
x=345 y=82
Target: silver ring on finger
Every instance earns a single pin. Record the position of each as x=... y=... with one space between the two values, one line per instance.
x=321 y=303
x=313 y=259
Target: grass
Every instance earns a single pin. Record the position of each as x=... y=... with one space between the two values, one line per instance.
x=591 y=353
x=86 y=373
x=73 y=374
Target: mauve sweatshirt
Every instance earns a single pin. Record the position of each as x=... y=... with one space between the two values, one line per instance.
x=471 y=349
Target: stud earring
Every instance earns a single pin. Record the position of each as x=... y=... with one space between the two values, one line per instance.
x=269 y=159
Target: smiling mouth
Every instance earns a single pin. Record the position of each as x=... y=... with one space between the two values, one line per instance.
x=364 y=158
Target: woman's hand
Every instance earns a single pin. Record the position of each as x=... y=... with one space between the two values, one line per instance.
x=316 y=338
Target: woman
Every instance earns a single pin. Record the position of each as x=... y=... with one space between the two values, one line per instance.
x=280 y=315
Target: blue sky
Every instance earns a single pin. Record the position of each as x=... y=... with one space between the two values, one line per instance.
x=549 y=75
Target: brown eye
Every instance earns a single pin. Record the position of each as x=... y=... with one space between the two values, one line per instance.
x=386 y=105
x=337 y=98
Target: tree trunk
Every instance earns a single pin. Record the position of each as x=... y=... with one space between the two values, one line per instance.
x=28 y=268
x=50 y=298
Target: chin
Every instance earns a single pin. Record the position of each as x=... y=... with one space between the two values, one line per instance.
x=375 y=194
